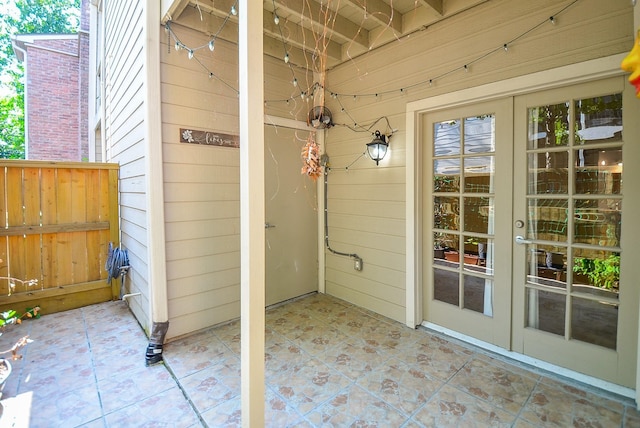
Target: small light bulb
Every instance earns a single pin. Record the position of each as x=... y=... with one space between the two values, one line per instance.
x=211 y=45
x=210 y=75
x=466 y=68
x=286 y=58
x=505 y=47
x=430 y=82
x=553 y=20
x=234 y=11
x=178 y=46
x=335 y=96
x=276 y=19
x=190 y=53
x=302 y=94
x=295 y=82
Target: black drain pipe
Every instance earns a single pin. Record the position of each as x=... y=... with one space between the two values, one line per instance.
x=354 y=256
x=154 y=348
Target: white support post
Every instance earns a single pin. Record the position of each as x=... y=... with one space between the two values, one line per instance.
x=252 y=212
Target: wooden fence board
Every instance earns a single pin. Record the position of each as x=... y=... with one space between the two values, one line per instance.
x=63 y=196
x=31 y=196
x=49 y=260
x=78 y=196
x=14 y=196
x=59 y=221
x=48 y=196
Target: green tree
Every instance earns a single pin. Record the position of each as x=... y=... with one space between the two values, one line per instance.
x=25 y=17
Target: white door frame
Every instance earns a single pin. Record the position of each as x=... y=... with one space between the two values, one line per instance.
x=548 y=79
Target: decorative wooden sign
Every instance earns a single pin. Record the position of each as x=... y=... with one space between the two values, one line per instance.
x=208 y=138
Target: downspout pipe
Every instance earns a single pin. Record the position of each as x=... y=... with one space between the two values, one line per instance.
x=156 y=242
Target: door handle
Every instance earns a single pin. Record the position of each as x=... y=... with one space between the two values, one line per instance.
x=269 y=225
x=520 y=240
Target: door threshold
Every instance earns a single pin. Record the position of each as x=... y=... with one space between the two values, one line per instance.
x=536 y=363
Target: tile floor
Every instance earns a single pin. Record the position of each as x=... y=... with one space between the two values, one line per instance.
x=328 y=364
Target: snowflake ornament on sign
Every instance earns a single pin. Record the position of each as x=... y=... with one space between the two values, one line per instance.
x=311 y=159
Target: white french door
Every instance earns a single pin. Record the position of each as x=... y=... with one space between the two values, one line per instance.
x=523 y=238
x=571 y=309
x=466 y=246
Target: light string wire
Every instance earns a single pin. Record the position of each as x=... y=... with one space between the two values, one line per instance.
x=209 y=45
x=308 y=92
x=430 y=81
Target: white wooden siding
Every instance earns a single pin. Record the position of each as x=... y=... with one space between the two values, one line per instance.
x=125 y=137
x=366 y=205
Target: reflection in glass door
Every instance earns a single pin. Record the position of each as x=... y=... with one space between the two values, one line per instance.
x=568 y=178
x=470 y=150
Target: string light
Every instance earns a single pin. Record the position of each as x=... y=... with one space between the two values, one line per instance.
x=211 y=45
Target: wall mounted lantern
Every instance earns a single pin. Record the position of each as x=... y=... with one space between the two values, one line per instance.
x=377 y=149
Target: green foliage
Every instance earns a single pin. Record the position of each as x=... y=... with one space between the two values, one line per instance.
x=25 y=17
x=604 y=273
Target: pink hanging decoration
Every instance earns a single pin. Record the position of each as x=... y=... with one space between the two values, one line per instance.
x=311 y=159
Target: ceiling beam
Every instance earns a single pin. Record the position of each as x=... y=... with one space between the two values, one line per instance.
x=436 y=5
x=381 y=12
x=317 y=18
x=295 y=35
x=173 y=9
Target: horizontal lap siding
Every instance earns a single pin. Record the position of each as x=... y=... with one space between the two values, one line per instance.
x=202 y=186
x=125 y=137
x=366 y=204
x=202 y=183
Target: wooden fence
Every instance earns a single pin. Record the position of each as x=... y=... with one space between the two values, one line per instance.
x=56 y=222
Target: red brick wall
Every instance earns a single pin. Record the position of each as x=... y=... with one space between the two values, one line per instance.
x=56 y=104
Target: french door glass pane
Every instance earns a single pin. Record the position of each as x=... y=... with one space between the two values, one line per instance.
x=545 y=311
x=446 y=212
x=548 y=219
x=445 y=286
x=598 y=119
x=549 y=126
x=446 y=175
x=446 y=138
x=479 y=134
x=477 y=294
x=548 y=173
x=598 y=221
x=478 y=174
x=478 y=214
x=598 y=171
x=594 y=321
x=546 y=266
